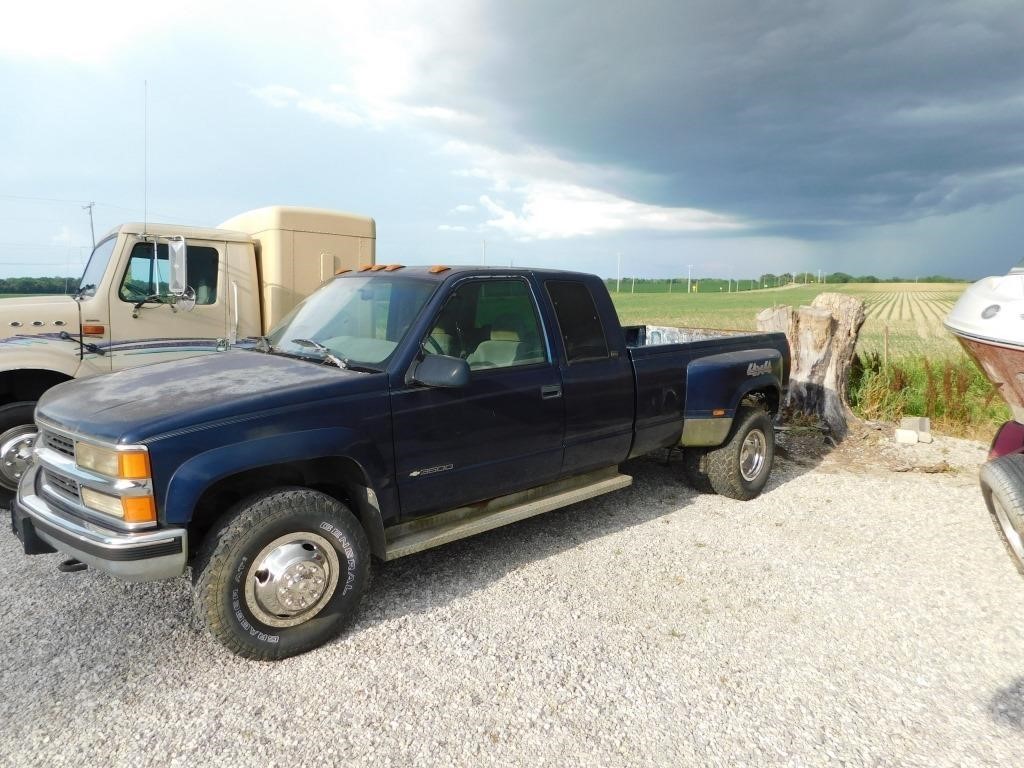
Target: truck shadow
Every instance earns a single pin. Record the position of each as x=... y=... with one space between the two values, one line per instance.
x=1007 y=705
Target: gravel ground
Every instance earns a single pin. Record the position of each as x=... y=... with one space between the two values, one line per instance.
x=852 y=615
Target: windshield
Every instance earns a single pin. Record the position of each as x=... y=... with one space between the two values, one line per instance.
x=359 y=319
x=96 y=267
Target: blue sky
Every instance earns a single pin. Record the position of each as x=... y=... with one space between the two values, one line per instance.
x=882 y=138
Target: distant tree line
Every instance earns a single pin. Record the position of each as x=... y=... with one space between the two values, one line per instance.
x=38 y=284
x=767 y=280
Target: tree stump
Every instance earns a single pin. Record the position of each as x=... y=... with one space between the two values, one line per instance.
x=822 y=338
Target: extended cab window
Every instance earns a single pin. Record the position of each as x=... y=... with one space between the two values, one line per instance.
x=490 y=323
x=578 y=321
x=146 y=277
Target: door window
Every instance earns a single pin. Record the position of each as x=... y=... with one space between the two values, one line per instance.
x=148 y=277
x=578 y=321
x=490 y=323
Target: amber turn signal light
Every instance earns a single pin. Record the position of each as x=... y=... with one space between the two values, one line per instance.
x=138 y=509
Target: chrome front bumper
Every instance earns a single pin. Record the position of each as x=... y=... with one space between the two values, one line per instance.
x=148 y=555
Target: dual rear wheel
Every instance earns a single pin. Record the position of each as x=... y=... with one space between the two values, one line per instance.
x=740 y=467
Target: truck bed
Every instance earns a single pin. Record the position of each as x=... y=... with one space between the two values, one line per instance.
x=661 y=358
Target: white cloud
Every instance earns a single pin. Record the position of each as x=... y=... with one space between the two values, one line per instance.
x=278 y=96
x=64 y=237
x=562 y=199
x=451 y=228
x=87 y=33
x=464 y=208
x=557 y=210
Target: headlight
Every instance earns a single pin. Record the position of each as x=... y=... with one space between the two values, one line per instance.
x=123 y=465
x=131 y=509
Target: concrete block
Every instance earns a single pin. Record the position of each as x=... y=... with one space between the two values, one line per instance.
x=906 y=436
x=924 y=437
x=916 y=423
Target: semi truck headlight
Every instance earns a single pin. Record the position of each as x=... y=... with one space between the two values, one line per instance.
x=124 y=465
x=131 y=509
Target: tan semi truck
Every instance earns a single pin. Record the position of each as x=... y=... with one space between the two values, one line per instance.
x=157 y=292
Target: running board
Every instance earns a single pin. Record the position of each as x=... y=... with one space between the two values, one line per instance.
x=425 y=533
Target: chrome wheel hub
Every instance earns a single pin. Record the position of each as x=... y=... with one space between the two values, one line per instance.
x=753 y=453
x=16 y=454
x=292 y=579
x=1013 y=537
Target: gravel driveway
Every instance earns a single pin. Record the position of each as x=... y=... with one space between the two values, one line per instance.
x=848 y=616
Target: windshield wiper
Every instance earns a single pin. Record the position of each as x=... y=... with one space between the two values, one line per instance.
x=325 y=351
x=341 y=362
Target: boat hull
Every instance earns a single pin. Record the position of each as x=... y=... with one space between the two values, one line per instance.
x=1003 y=364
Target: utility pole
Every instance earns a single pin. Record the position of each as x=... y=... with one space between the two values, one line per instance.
x=632 y=288
x=689 y=271
x=483 y=251
x=670 y=285
x=618 y=274
x=91 y=230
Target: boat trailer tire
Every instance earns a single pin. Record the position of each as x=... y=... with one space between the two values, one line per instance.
x=281 y=573
x=1002 y=486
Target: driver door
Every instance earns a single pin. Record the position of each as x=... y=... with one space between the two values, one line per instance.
x=157 y=332
x=500 y=433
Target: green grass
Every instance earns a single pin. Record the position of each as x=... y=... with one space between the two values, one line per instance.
x=913 y=313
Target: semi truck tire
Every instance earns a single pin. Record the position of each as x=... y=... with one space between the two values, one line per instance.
x=17 y=436
x=740 y=468
x=281 y=573
x=1002 y=487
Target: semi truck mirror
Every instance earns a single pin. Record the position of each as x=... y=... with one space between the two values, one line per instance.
x=177 y=284
x=442 y=371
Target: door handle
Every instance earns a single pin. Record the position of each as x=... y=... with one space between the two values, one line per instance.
x=550 y=391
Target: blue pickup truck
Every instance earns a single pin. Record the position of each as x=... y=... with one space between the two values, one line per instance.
x=394 y=410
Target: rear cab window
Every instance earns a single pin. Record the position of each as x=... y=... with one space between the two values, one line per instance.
x=578 y=321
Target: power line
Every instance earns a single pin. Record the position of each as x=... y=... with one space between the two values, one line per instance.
x=84 y=202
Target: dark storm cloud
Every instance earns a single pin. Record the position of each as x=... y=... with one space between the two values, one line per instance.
x=796 y=114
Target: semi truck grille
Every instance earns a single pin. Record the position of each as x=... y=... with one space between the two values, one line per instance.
x=68 y=486
x=59 y=443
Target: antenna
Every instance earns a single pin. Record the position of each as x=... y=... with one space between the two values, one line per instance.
x=145 y=155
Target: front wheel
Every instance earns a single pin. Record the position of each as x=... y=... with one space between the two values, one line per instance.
x=1002 y=487
x=281 y=573
x=17 y=436
x=740 y=468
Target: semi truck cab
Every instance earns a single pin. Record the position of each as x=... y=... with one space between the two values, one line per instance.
x=242 y=277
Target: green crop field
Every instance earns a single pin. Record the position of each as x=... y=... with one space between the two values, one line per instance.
x=912 y=312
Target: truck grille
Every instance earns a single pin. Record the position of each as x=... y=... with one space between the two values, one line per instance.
x=65 y=484
x=59 y=443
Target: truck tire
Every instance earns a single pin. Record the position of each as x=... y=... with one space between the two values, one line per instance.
x=740 y=468
x=694 y=461
x=17 y=435
x=1002 y=487
x=281 y=573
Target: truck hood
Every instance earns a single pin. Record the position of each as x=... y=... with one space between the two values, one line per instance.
x=137 y=405
x=38 y=315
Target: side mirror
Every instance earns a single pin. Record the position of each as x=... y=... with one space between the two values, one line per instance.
x=177 y=252
x=441 y=371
